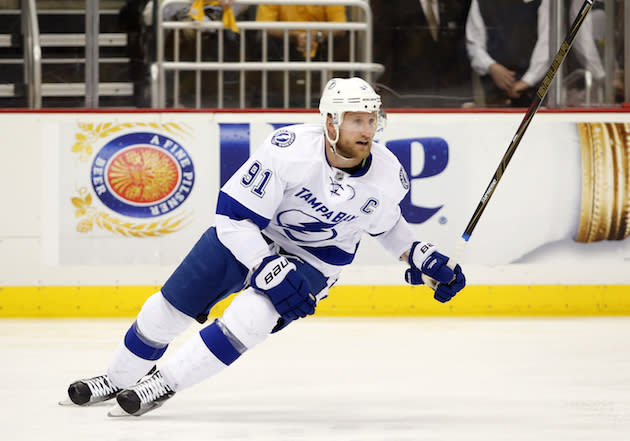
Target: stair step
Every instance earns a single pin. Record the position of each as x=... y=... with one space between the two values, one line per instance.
x=52 y=60
x=78 y=89
x=11 y=61
x=73 y=40
x=8 y=40
x=72 y=11
x=104 y=52
x=67 y=11
x=63 y=42
x=7 y=90
x=76 y=4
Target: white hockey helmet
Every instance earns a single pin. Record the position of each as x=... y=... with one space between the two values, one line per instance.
x=348 y=95
x=343 y=95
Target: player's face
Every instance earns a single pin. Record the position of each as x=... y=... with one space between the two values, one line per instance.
x=356 y=133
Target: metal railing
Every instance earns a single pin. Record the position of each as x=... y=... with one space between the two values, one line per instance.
x=593 y=94
x=563 y=81
x=359 y=60
x=32 y=54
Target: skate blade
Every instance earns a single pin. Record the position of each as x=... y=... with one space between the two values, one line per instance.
x=68 y=402
x=117 y=412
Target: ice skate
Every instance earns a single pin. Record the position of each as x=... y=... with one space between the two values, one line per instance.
x=93 y=390
x=145 y=396
x=90 y=391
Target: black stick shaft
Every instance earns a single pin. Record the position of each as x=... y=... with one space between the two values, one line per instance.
x=533 y=108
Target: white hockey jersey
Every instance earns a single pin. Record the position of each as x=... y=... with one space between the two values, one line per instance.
x=289 y=191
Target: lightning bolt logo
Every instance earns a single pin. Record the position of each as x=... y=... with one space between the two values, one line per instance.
x=301 y=227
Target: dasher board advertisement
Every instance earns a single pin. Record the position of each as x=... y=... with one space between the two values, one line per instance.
x=136 y=190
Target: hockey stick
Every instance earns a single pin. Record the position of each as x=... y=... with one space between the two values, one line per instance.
x=533 y=108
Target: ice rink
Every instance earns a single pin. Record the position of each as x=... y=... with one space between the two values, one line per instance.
x=345 y=379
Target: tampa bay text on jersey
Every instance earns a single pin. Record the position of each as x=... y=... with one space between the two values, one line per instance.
x=235 y=149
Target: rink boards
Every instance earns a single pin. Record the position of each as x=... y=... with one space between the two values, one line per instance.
x=78 y=240
x=344 y=301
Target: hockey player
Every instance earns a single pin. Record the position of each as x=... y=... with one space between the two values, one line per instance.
x=287 y=222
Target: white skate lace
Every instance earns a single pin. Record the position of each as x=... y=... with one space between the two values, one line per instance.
x=152 y=388
x=100 y=386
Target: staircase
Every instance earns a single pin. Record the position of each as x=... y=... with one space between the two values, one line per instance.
x=12 y=92
x=63 y=62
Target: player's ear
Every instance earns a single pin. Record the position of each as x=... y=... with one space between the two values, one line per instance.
x=330 y=127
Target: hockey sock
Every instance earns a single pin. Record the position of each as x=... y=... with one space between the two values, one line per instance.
x=205 y=354
x=246 y=322
x=142 y=346
x=134 y=358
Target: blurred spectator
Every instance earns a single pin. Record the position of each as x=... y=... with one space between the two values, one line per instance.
x=298 y=47
x=597 y=17
x=620 y=29
x=508 y=45
x=583 y=57
x=301 y=13
x=585 y=43
x=136 y=17
x=202 y=10
x=422 y=45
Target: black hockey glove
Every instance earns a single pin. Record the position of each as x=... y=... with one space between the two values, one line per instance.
x=288 y=290
x=431 y=268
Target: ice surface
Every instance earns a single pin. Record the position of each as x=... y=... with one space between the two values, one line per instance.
x=325 y=379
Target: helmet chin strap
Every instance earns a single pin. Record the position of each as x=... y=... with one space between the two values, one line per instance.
x=333 y=144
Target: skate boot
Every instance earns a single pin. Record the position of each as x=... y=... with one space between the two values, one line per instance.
x=92 y=390
x=139 y=399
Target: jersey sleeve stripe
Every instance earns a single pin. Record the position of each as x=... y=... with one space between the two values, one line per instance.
x=230 y=207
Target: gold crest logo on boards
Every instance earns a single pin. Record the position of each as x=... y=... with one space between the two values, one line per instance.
x=139 y=179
